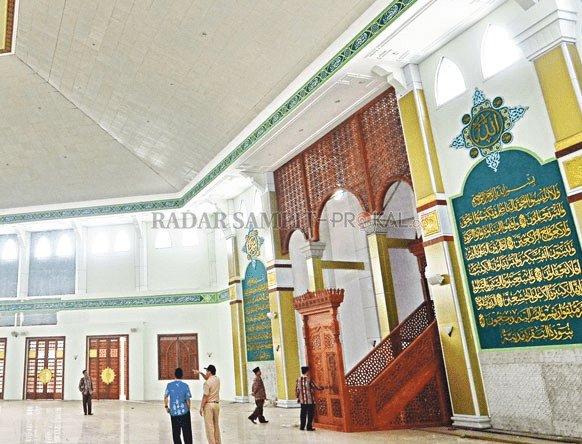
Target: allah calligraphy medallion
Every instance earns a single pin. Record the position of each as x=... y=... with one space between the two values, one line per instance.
x=487 y=128
x=107 y=375
x=252 y=246
x=45 y=375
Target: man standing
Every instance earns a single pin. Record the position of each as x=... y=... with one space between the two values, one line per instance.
x=304 y=394
x=177 y=404
x=209 y=408
x=86 y=388
x=258 y=391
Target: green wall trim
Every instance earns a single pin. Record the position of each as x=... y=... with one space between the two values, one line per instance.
x=121 y=302
x=394 y=10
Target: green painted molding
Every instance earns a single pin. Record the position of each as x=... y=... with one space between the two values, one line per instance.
x=121 y=302
x=340 y=59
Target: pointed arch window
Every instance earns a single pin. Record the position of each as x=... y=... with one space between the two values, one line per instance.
x=100 y=244
x=449 y=81
x=42 y=250
x=10 y=250
x=498 y=51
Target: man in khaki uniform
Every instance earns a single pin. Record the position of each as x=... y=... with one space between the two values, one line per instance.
x=209 y=408
x=258 y=391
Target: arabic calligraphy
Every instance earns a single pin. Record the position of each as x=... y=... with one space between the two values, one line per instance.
x=521 y=253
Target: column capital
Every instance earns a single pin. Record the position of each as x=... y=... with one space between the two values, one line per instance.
x=548 y=26
x=375 y=225
x=313 y=249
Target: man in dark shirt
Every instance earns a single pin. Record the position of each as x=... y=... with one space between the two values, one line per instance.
x=258 y=391
x=86 y=388
x=304 y=394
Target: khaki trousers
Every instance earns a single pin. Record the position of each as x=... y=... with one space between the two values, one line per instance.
x=211 y=411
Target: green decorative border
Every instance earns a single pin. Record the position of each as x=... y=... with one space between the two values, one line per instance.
x=123 y=302
x=364 y=37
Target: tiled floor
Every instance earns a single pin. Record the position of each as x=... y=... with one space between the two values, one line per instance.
x=47 y=422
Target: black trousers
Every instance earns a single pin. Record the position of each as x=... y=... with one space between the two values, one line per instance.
x=182 y=423
x=258 y=413
x=307 y=411
x=87 y=403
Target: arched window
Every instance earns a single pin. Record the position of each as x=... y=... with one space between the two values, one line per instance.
x=121 y=242
x=163 y=239
x=100 y=244
x=449 y=81
x=65 y=245
x=498 y=51
x=10 y=250
x=42 y=249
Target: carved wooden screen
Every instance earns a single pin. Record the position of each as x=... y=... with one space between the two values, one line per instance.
x=45 y=370
x=177 y=351
x=363 y=155
x=324 y=355
x=2 y=365
x=108 y=366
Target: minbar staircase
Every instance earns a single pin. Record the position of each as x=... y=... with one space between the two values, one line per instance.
x=401 y=383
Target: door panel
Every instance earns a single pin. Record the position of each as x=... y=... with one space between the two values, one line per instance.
x=108 y=366
x=44 y=373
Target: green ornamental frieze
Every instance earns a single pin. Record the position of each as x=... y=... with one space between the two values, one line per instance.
x=121 y=302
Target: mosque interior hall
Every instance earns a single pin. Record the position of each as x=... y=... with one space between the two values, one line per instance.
x=388 y=192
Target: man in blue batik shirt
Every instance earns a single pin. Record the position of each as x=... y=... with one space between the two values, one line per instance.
x=178 y=407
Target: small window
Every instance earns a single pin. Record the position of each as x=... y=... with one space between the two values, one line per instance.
x=10 y=250
x=258 y=202
x=449 y=81
x=122 y=242
x=163 y=239
x=498 y=51
x=42 y=249
x=244 y=213
x=177 y=351
x=100 y=244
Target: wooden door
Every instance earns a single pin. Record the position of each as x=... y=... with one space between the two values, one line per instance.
x=2 y=365
x=45 y=368
x=108 y=366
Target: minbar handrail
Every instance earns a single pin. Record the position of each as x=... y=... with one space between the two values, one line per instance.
x=392 y=346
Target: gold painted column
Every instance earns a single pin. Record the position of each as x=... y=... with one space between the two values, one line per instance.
x=313 y=252
x=451 y=305
x=382 y=275
x=237 y=318
x=549 y=42
x=282 y=315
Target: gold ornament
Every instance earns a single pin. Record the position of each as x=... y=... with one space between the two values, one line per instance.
x=107 y=375
x=45 y=375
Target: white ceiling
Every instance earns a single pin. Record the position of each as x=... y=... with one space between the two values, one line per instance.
x=111 y=99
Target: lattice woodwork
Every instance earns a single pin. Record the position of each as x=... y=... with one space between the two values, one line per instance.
x=388 y=350
x=364 y=155
x=410 y=392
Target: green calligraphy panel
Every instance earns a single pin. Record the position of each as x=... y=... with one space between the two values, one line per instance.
x=256 y=306
x=521 y=254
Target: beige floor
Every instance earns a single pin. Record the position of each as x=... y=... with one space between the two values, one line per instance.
x=47 y=422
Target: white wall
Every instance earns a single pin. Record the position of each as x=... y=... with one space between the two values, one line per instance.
x=530 y=390
x=211 y=322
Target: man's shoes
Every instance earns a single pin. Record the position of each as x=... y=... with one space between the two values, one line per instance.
x=90 y=413
x=310 y=430
x=264 y=422
x=251 y=419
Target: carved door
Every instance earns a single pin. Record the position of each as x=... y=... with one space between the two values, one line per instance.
x=108 y=366
x=45 y=368
x=323 y=360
